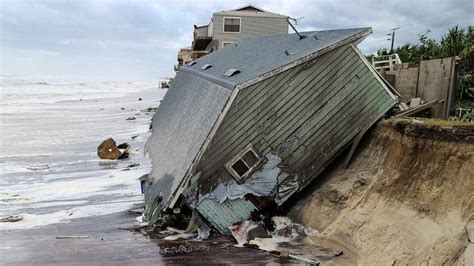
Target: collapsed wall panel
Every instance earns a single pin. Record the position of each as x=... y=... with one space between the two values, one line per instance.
x=180 y=127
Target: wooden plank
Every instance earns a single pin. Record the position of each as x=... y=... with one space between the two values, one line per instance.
x=418 y=109
x=354 y=145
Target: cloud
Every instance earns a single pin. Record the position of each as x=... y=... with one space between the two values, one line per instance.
x=140 y=39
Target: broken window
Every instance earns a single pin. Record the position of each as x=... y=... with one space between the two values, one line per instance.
x=242 y=166
x=231 y=24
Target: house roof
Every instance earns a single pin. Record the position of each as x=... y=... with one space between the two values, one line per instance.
x=249 y=8
x=258 y=57
x=249 y=11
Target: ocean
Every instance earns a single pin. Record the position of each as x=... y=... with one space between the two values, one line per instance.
x=49 y=133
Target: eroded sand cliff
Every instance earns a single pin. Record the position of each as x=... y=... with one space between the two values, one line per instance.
x=407 y=197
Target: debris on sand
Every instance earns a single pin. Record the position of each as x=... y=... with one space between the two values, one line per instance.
x=283 y=231
x=124 y=149
x=133 y=165
x=37 y=167
x=130 y=118
x=280 y=231
x=110 y=151
x=11 y=219
x=177 y=234
x=72 y=237
x=123 y=146
x=240 y=231
x=150 y=109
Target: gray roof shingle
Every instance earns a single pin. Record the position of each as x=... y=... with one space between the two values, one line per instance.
x=254 y=57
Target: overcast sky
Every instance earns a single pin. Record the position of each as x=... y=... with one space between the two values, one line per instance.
x=140 y=39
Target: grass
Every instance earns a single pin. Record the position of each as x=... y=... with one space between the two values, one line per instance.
x=445 y=123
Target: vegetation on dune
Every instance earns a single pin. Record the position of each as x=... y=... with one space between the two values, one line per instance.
x=445 y=123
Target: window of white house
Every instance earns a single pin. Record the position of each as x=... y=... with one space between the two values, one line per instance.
x=231 y=24
x=244 y=164
x=224 y=44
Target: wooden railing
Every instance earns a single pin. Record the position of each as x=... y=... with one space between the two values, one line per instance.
x=385 y=62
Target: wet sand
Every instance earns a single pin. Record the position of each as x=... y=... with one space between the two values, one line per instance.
x=110 y=242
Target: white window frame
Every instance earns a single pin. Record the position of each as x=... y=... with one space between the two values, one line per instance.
x=241 y=179
x=226 y=42
x=223 y=25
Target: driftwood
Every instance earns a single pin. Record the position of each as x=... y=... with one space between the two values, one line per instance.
x=71 y=237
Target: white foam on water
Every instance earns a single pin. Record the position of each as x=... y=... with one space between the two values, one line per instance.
x=49 y=170
x=31 y=220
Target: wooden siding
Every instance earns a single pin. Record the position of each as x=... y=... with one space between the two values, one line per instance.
x=249 y=27
x=305 y=114
x=221 y=215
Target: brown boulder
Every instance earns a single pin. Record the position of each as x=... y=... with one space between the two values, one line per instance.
x=108 y=150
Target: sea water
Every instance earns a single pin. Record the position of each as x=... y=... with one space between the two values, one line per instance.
x=49 y=133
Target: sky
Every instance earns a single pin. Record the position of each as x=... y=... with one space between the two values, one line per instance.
x=118 y=39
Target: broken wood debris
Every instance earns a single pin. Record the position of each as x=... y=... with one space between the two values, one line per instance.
x=11 y=219
x=417 y=109
x=72 y=237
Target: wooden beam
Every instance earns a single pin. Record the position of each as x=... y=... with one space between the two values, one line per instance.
x=418 y=109
x=355 y=143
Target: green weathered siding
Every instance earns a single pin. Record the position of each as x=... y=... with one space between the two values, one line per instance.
x=305 y=114
x=221 y=215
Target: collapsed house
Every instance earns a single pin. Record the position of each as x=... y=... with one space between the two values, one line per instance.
x=257 y=121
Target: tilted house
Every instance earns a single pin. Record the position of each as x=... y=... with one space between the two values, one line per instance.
x=257 y=121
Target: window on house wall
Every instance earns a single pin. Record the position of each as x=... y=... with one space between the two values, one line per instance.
x=244 y=164
x=231 y=24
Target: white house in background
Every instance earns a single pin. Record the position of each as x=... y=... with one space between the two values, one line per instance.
x=226 y=27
